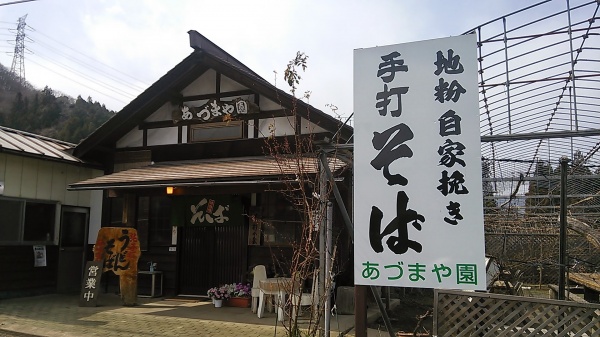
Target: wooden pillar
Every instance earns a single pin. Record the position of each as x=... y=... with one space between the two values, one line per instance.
x=360 y=310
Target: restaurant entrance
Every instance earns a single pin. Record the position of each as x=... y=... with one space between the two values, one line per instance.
x=211 y=256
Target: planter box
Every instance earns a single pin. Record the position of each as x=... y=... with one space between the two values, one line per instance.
x=240 y=302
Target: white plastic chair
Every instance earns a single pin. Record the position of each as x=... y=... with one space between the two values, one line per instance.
x=277 y=287
x=260 y=274
x=307 y=299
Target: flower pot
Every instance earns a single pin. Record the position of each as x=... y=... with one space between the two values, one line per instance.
x=218 y=303
x=240 y=302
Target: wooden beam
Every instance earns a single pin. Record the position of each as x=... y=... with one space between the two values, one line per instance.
x=218 y=95
x=171 y=123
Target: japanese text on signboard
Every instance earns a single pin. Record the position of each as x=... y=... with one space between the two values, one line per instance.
x=424 y=177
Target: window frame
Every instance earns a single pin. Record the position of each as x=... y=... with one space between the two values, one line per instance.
x=215 y=125
x=152 y=223
x=20 y=241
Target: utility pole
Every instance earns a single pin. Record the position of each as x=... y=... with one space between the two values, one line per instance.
x=18 y=63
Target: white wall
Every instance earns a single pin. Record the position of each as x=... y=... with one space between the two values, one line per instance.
x=31 y=178
x=308 y=127
x=95 y=216
x=162 y=136
x=36 y=179
x=164 y=113
x=283 y=126
x=133 y=138
x=267 y=104
x=205 y=84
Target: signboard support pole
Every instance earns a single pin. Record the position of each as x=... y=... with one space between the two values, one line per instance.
x=359 y=293
x=360 y=311
x=562 y=244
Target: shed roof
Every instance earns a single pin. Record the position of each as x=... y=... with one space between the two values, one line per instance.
x=29 y=144
x=208 y=172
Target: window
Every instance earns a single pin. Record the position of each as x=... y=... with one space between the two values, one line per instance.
x=282 y=224
x=160 y=221
x=154 y=221
x=216 y=131
x=116 y=211
x=26 y=222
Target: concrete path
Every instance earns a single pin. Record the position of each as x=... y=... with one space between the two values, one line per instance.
x=60 y=316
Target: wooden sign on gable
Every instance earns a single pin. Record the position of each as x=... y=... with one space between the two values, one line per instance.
x=214 y=110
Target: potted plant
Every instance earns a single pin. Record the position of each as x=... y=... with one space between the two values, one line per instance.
x=218 y=294
x=241 y=295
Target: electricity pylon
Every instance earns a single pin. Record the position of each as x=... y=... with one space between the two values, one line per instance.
x=18 y=63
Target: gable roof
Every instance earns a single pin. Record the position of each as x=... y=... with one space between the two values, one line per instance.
x=31 y=145
x=206 y=55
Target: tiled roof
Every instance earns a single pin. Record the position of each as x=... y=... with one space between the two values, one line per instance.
x=202 y=172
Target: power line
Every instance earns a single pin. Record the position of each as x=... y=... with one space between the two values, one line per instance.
x=87 y=71
x=15 y=2
x=92 y=59
x=87 y=77
x=82 y=84
x=72 y=63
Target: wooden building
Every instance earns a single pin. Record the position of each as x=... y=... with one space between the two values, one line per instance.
x=185 y=165
x=36 y=210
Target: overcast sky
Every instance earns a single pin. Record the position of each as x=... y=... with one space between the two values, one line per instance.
x=113 y=50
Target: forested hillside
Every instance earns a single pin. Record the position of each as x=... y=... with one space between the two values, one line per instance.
x=46 y=112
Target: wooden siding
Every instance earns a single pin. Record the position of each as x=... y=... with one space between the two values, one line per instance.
x=166 y=262
x=36 y=179
x=276 y=259
x=20 y=278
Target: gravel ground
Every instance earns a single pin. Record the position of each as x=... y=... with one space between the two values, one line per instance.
x=8 y=333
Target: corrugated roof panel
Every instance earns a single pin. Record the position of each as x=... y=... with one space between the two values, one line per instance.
x=190 y=172
x=28 y=143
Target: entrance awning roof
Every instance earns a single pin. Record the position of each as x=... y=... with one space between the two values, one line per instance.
x=247 y=170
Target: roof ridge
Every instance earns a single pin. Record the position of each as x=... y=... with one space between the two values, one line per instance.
x=34 y=135
x=201 y=42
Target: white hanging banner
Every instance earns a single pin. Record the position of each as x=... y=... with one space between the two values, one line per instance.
x=39 y=256
x=418 y=210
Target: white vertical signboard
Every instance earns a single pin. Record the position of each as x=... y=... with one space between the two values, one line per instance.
x=418 y=207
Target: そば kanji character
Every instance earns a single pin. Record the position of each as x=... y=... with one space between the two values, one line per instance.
x=392 y=149
x=219 y=216
x=399 y=243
